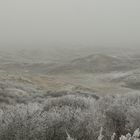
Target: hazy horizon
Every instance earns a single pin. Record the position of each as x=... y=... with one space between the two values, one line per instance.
x=33 y=23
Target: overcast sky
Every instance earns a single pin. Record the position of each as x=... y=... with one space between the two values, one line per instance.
x=95 y=22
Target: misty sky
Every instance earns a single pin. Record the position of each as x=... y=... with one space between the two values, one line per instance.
x=94 y=22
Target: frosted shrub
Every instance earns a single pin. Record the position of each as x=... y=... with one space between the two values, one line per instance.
x=123 y=137
x=69 y=137
x=101 y=136
x=113 y=136
x=82 y=117
x=135 y=136
x=136 y=133
x=21 y=123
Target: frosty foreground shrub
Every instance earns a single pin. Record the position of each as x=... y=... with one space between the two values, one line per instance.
x=128 y=136
x=72 y=117
x=49 y=121
x=120 y=113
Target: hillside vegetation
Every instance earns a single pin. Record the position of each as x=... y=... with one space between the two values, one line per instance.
x=79 y=98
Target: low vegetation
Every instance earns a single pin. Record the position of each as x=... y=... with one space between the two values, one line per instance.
x=72 y=117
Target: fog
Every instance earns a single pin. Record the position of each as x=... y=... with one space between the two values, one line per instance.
x=69 y=67
x=33 y=23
